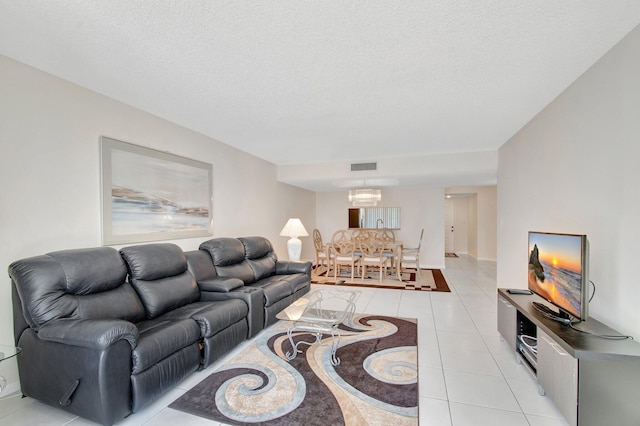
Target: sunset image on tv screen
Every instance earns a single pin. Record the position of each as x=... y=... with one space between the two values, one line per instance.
x=555 y=269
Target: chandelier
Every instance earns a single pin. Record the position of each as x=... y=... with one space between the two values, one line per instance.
x=364 y=197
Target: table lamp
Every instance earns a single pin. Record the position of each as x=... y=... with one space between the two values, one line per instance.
x=294 y=229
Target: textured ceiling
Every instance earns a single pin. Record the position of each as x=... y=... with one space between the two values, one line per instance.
x=361 y=80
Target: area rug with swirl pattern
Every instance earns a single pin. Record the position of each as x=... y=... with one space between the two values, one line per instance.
x=375 y=383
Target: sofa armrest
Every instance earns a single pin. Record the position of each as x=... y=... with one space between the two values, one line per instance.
x=287 y=267
x=252 y=296
x=220 y=284
x=87 y=333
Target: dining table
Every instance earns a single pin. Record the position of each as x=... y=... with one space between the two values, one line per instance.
x=391 y=249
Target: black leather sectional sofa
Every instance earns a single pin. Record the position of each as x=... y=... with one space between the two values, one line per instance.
x=105 y=332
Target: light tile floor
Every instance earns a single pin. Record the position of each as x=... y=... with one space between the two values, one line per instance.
x=467 y=375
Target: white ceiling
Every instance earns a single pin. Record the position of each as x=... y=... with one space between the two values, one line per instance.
x=298 y=81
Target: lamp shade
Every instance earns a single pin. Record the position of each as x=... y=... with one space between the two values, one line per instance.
x=294 y=228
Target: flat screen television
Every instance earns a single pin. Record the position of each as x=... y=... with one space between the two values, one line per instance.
x=558 y=272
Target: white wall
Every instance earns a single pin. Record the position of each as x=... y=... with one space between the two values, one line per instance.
x=487 y=213
x=453 y=169
x=419 y=208
x=473 y=225
x=574 y=168
x=50 y=175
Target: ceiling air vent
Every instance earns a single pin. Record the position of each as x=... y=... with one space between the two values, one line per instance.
x=360 y=167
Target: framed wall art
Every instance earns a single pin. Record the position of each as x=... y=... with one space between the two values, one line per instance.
x=150 y=195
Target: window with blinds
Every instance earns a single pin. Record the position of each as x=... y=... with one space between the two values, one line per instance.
x=375 y=217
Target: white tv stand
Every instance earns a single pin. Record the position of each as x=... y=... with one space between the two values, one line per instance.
x=592 y=380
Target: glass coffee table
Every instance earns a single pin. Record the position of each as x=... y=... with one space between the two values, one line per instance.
x=321 y=313
x=7 y=352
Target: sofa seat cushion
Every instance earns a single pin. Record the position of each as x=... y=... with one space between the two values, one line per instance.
x=212 y=316
x=160 y=338
x=296 y=281
x=274 y=288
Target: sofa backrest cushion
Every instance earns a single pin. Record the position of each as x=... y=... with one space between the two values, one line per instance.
x=228 y=257
x=159 y=274
x=260 y=256
x=152 y=261
x=200 y=265
x=82 y=283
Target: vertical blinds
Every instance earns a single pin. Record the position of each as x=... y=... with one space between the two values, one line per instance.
x=380 y=217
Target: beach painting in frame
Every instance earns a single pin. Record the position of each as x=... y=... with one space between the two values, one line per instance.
x=150 y=195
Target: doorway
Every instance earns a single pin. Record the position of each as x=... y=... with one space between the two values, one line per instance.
x=474 y=221
x=449 y=227
x=459 y=223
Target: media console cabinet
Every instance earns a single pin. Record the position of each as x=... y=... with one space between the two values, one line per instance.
x=592 y=380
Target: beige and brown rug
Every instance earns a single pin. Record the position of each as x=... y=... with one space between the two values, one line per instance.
x=376 y=382
x=429 y=280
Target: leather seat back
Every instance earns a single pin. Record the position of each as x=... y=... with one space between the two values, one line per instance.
x=82 y=283
x=260 y=256
x=228 y=256
x=200 y=265
x=159 y=274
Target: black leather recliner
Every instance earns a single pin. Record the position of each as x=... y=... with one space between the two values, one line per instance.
x=213 y=287
x=158 y=273
x=246 y=268
x=102 y=347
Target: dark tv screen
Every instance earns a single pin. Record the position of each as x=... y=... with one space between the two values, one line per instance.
x=558 y=270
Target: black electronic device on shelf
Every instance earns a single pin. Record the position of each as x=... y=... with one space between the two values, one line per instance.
x=559 y=316
x=558 y=272
x=528 y=348
x=519 y=291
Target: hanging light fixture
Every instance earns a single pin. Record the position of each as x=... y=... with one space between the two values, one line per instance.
x=365 y=197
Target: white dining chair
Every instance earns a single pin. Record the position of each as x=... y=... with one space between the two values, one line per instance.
x=411 y=256
x=343 y=252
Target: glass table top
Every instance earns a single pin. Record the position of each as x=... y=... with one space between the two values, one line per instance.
x=321 y=307
x=7 y=352
x=322 y=312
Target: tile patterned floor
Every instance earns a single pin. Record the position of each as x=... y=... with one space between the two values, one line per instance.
x=467 y=375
